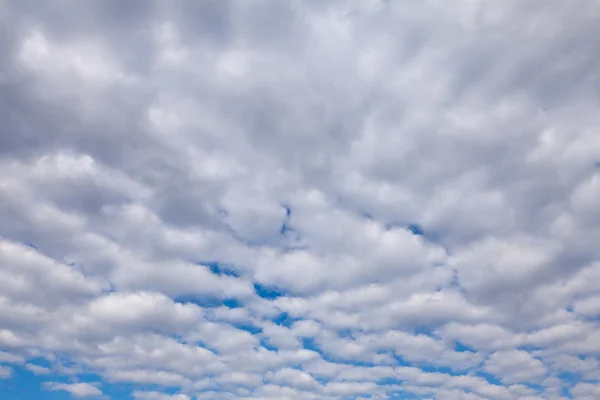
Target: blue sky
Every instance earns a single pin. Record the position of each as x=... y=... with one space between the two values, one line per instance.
x=285 y=200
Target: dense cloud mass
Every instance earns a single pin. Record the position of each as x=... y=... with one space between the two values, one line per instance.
x=264 y=199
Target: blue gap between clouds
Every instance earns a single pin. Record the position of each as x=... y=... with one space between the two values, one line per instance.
x=265 y=343
x=569 y=379
x=540 y=388
x=219 y=268
x=263 y=291
x=25 y=385
x=252 y=329
x=489 y=377
x=284 y=319
x=398 y=394
x=208 y=302
x=462 y=348
x=39 y=361
x=415 y=229
x=267 y=292
x=226 y=269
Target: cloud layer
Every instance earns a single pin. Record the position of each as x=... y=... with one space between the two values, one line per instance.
x=301 y=199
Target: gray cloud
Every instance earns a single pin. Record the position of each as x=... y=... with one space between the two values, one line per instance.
x=417 y=183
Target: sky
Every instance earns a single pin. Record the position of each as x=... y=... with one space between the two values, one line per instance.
x=300 y=199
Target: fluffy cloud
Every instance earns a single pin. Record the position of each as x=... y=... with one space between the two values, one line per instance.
x=515 y=366
x=301 y=200
x=38 y=369
x=585 y=391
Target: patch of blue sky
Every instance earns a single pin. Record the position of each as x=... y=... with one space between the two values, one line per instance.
x=401 y=362
x=264 y=342
x=250 y=328
x=206 y=301
x=25 y=385
x=284 y=319
x=426 y=367
x=461 y=347
x=267 y=292
x=310 y=344
x=489 y=377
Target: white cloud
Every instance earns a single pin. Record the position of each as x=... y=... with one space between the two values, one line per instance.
x=514 y=366
x=76 y=389
x=585 y=391
x=34 y=278
x=11 y=358
x=589 y=307
x=38 y=369
x=294 y=378
x=350 y=388
x=139 y=395
x=148 y=377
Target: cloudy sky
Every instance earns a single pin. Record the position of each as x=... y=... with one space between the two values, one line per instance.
x=300 y=199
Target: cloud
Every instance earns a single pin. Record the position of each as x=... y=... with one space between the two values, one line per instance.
x=515 y=366
x=589 y=307
x=139 y=395
x=301 y=200
x=76 y=389
x=5 y=372
x=11 y=358
x=38 y=369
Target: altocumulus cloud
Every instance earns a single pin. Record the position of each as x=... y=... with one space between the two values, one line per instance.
x=348 y=199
